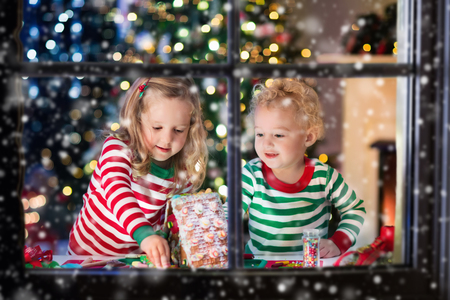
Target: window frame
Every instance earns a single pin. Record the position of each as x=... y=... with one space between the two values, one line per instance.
x=425 y=160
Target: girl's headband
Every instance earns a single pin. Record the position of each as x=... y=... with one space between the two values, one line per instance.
x=143 y=87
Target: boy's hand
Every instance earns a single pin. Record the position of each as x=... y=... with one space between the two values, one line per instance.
x=157 y=250
x=328 y=249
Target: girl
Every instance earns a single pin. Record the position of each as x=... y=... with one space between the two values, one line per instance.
x=158 y=151
x=285 y=192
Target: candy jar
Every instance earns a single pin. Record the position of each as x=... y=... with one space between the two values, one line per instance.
x=311 y=248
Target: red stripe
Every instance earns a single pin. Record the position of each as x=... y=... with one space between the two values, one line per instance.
x=116 y=226
x=93 y=236
x=128 y=219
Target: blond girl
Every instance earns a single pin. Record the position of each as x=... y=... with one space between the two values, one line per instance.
x=158 y=151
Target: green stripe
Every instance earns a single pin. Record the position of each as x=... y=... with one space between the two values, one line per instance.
x=276 y=237
x=319 y=174
x=296 y=223
x=284 y=211
x=260 y=247
x=359 y=206
x=353 y=217
x=349 y=226
x=278 y=200
x=348 y=202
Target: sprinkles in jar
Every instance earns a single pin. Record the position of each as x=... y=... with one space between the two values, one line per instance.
x=311 y=240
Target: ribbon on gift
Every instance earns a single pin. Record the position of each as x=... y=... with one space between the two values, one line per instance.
x=367 y=255
x=35 y=256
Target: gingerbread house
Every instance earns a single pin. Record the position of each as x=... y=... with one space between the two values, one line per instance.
x=198 y=235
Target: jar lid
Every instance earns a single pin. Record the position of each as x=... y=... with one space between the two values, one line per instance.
x=311 y=232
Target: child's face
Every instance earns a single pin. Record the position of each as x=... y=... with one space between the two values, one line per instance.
x=165 y=125
x=280 y=141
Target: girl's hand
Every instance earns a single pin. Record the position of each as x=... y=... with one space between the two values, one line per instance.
x=157 y=250
x=328 y=249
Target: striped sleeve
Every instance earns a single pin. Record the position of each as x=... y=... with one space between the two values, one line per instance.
x=248 y=182
x=115 y=168
x=350 y=207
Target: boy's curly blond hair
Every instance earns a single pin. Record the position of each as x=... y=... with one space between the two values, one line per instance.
x=297 y=94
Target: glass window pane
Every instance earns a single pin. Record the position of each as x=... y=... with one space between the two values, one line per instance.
x=177 y=31
x=359 y=120
x=289 y=31
x=62 y=141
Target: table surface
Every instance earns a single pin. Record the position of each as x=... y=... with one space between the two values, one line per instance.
x=60 y=259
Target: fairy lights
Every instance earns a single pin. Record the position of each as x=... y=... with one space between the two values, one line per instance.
x=124 y=85
x=67 y=191
x=306 y=53
x=115 y=126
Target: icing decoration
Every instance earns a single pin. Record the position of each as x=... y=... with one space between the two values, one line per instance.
x=198 y=208
x=189 y=226
x=184 y=211
x=225 y=250
x=209 y=237
x=218 y=223
x=205 y=223
x=213 y=206
x=213 y=253
x=222 y=234
x=196 y=257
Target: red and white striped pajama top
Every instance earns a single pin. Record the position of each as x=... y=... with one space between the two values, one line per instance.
x=115 y=205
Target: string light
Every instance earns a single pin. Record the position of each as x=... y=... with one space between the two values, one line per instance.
x=115 y=126
x=178 y=47
x=274 y=15
x=210 y=90
x=367 y=47
x=202 y=5
x=132 y=17
x=117 y=56
x=213 y=44
x=205 y=28
x=273 y=60
x=245 y=55
x=221 y=131
x=67 y=190
x=323 y=157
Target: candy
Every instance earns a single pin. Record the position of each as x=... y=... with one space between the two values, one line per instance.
x=222 y=234
x=209 y=237
x=205 y=223
x=196 y=257
x=311 y=248
x=218 y=223
x=198 y=208
x=189 y=226
x=214 y=206
x=213 y=253
x=225 y=250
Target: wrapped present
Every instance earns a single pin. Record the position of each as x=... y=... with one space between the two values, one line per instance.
x=380 y=251
x=36 y=258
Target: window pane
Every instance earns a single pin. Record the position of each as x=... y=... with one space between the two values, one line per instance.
x=289 y=31
x=136 y=31
x=359 y=120
x=62 y=141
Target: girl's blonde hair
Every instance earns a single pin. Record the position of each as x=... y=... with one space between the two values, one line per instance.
x=287 y=93
x=190 y=162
